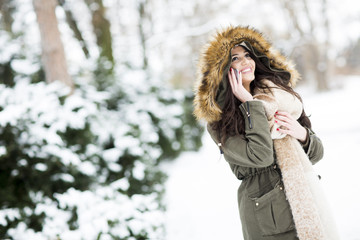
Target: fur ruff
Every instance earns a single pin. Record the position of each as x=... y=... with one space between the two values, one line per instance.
x=214 y=63
x=302 y=187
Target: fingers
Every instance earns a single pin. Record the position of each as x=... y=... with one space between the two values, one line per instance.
x=234 y=75
x=284 y=117
x=284 y=131
x=289 y=125
x=237 y=88
x=233 y=80
x=298 y=132
x=282 y=123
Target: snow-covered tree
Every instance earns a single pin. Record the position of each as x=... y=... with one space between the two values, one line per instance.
x=85 y=165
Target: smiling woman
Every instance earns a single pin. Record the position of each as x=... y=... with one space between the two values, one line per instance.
x=244 y=69
x=242 y=62
x=245 y=94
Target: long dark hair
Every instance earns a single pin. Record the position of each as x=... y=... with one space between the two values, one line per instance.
x=232 y=121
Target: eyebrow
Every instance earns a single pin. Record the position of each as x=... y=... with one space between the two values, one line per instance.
x=238 y=54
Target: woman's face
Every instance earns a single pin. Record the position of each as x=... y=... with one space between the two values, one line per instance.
x=241 y=60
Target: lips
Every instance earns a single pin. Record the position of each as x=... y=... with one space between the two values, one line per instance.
x=246 y=70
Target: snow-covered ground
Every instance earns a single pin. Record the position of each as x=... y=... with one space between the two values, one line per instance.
x=201 y=190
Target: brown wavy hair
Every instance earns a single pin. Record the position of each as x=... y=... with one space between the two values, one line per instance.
x=232 y=121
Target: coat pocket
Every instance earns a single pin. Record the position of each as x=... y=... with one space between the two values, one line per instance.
x=272 y=212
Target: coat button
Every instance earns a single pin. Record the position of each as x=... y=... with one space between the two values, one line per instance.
x=257 y=204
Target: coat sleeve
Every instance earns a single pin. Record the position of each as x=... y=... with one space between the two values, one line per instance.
x=313 y=147
x=255 y=148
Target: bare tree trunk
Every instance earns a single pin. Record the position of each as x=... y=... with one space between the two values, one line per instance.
x=53 y=55
x=323 y=67
x=102 y=30
x=314 y=53
x=7 y=8
x=319 y=50
x=74 y=27
x=104 y=73
x=143 y=16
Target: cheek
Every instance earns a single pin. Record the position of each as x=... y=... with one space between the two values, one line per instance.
x=233 y=65
x=253 y=63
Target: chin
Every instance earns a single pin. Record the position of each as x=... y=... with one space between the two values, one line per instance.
x=250 y=79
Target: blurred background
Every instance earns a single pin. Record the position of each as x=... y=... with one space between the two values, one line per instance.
x=97 y=137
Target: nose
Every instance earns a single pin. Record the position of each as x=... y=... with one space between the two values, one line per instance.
x=244 y=61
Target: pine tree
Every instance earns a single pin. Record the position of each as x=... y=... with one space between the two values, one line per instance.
x=85 y=165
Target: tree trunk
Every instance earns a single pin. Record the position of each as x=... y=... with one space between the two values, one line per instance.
x=314 y=52
x=7 y=8
x=70 y=19
x=104 y=73
x=325 y=69
x=143 y=16
x=53 y=55
x=101 y=29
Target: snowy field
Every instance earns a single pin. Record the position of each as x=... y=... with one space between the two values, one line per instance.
x=201 y=190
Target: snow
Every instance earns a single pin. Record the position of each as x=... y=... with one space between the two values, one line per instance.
x=201 y=189
x=201 y=196
x=36 y=111
x=139 y=170
x=2 y=150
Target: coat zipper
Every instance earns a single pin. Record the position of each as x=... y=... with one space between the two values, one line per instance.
x=247 y=113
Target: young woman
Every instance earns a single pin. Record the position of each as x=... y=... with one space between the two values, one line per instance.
x=238 y=65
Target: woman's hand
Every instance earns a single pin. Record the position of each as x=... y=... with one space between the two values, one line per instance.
x=291 y=126
x=237 y=87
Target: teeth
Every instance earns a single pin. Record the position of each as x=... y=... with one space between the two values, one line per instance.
x=246 y=70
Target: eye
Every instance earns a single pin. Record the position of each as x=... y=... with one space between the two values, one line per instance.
x=247 y=55
x=234 y=59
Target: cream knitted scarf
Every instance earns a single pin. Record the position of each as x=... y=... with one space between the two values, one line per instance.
x=311 y=214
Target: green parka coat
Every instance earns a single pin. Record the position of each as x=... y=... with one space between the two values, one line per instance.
x=264 y=210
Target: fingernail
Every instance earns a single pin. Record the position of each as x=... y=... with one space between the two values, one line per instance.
x=276 y=112
x=277 y=129
x=230 y=69
x=275 y=121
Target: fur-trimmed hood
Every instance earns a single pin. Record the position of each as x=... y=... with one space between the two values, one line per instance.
x=214 y=63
